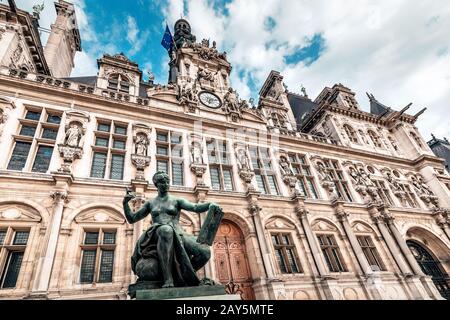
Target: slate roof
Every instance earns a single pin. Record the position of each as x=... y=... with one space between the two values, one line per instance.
x=441 y=148
x=301 y=107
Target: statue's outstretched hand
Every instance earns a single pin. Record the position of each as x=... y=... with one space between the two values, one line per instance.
x=129 y=196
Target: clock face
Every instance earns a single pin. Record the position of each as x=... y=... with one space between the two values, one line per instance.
x=210 y=99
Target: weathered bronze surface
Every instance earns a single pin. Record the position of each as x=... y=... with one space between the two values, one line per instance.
x=165 y=255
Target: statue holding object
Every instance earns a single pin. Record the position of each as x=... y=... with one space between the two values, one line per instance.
x=165 y=253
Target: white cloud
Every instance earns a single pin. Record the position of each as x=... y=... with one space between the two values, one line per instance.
x=132 y=29
x=393 y=49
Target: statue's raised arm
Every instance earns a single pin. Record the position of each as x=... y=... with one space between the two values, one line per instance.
x=133 y=217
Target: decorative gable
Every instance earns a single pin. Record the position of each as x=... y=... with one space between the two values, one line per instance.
x=19 y=213
x=279 y=223
x=100 y=216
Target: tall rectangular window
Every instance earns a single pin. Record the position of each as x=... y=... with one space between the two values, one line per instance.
x=19 y=155
x=370 y=251
x=98 y=165
x=305 y=180
x=97 y=259
x=285 y=253
x=169 y=155
x=334 y=173
x=37 y=137
x=331 y=253
x=42 y=160
x=383 y=192
x=219 y=166
x=108 y=160
x=264 y=173
x=12 y=247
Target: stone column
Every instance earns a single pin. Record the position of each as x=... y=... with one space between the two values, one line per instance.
x=200 y=192
x=45 y=264
x=325 y=278
x=379 y=221
x=342 y=216
x=255 y=211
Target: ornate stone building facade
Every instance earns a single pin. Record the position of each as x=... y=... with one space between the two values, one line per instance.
x=322 y=200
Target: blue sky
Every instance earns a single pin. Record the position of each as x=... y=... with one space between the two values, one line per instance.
x=397 y=51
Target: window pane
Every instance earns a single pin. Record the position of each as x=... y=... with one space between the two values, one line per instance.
x=27 y=131
x=312 y=189
x=109 y=238
x=19 y=156
x=54 y=119
x=281 y=261
x=338 y=260
x=101 y=142
x=120 y=130
x=117 y=162
x=87 y=266
x=49 y=133
x=119 y=144
x=14 y=263
x=91 y=238
x=161 y=150
x=2 y=236
x=292 y=262
x=215 y=178
x=98 y=165
x=42 y=160
x=175 y=138
x=21 y=238
x=177 y=151
x=161 y=165
x=301 y=188
x=177 y=174
x=104 y=127
x=228 y=181
x=161 y=137
x=272 y=185
x=274 y=239
x=32 y=115
x=106 y=266
x=261 y=184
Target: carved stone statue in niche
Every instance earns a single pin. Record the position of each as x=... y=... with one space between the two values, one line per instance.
x=363 y=136
x=393 y=182
x=393 y=143
x=366 y=179
x=141 y=145
x=189 y=91
x=231 y=101
x=73 y=135
x=242 y=159
x=205 y=77
x=285 y=166
x=196 y=153
x=424 y=191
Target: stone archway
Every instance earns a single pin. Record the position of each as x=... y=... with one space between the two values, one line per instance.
x=230 y=259
x=431 y=267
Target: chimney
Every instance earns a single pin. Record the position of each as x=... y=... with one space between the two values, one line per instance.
x=64 y=41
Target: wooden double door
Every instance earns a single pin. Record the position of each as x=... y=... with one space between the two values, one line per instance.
x=231 y=262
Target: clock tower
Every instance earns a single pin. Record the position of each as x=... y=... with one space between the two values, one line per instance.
x=201 y=73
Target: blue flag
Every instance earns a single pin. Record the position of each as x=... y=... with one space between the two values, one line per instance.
x=167 y=40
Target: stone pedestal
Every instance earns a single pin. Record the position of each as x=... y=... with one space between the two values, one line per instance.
x=216 y=292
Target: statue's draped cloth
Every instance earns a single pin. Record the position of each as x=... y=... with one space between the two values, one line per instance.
x=182 y=271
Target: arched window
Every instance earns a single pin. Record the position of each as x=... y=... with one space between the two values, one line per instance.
x=351 y=134
x=120 y=83
x=278 y=120
x=375 y=139
x=416 y=139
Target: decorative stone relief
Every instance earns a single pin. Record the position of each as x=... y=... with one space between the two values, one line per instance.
x=5 y=106
x=423 y=190
x=326 y=179
x=72 y=148
x=363 y=182
x=287 y=173
x=187 y=95
x=140 y=158
x=394 y=184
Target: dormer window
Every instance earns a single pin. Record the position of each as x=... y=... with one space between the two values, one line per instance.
x=119 y=83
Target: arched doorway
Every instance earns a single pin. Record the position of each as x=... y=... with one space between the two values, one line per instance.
x=431 y=267
x=230 y=258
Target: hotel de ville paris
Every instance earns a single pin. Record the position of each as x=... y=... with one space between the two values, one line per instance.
x=321 y=199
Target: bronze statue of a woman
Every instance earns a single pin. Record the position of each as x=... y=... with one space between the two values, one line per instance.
x=165 y=252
